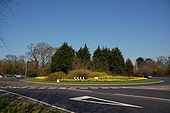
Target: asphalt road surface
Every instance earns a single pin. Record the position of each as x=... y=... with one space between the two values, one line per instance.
x=150 y=98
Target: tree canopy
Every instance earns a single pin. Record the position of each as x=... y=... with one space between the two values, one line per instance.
x=83 y=56
x=63 y=58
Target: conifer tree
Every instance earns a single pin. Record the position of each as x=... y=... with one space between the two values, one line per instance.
x=63 y=58
x=83 y=56
x=140 y=61
x=105 y=59
x=97 y=59
x=101 y=59
x=129 y=67
x=117 y=65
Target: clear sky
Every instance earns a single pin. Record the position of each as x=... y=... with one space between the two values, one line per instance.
x=137 y=27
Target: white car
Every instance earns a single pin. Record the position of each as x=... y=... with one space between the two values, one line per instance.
x=19 y=76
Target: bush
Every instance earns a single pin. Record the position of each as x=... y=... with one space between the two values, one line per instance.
x=100 y=75
x=32 y=73
x=56 y=75
x=79 y=73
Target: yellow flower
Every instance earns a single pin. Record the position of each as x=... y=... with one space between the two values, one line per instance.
x=41 y=77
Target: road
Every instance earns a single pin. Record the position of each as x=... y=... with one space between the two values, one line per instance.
x=150 y=98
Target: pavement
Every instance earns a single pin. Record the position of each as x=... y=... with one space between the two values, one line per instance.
x=134 y=98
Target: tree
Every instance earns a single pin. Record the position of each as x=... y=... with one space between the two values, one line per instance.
x=117 y=65
x=140 y=61
x=41 y=54
x=149 y=66
x=97 y=63
x=12 y=64
x=105 y=59
x=63 y=58
x=101 y=59
x=83 y=56
x=129 y=67
x=163 y=60
x=168 y=65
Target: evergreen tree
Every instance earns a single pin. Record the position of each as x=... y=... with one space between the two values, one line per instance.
x=129 y=67
x=101 y=59
x=97 y=59
x=140 y=61
x=117 y=65
x=105 y=59
x=83 y=55
x=63 y=58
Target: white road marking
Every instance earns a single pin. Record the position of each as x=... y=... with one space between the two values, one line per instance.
x=8 y=87
x=4 y=94
x=14 y=87
x=41 y=87
x=153 y=98
x=94 y=88
x=74 y=89
x=98 y=101
x=52 y=88
x=62 y=88
x=35 y=100
x=114 y=87
x=83 y=88
x=22 y=87
x=32 y=87
x=104 y=88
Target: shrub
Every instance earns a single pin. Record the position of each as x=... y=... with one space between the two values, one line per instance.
x=100 y=75
x=56 y=75
x=32 y=73
x=79 y=73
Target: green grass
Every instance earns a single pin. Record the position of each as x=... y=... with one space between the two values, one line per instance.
x=111 y=82
x=11 y=105
x=94 y=82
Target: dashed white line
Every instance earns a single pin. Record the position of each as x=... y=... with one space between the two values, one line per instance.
x=41 y=87
x=83 y=88
x=94 y=88
x=104 y=88
x=114 y=88
x=74 y=89
x=32 y=88
x=62 y=88
x=52 y=88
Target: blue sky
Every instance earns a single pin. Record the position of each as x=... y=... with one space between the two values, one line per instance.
x=137 y=27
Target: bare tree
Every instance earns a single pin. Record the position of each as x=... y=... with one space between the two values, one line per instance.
x=163 y=60
x=41 y=54
x=33 y=54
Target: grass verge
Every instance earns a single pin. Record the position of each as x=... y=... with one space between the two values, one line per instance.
x=12 y=105
x=93 y=82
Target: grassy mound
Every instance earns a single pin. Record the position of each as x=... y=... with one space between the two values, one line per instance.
x=82 y=76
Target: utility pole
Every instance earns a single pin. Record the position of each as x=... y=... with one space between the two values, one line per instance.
x=26 y=68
